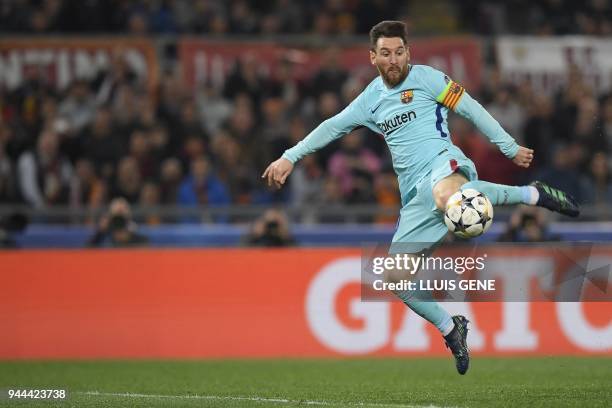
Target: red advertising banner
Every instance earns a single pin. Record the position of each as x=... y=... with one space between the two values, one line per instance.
x=59 y=61
x=251 y=303
x=210 y=61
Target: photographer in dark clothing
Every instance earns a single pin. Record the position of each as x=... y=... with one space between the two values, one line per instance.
x=270 y=230
x=528 y=224
x=116 y=228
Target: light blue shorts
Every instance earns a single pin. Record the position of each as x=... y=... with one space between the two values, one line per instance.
x=420 y=223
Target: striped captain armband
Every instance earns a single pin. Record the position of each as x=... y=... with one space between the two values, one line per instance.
x=451 y=95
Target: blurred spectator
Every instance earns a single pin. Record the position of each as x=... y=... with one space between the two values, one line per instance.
x=508 y=113
x=307 y=182
x=140 y=151
x=234 y=169
x=159 y=141
x=79 y=106
x=285 y=84
x=44 y=175
x=99 y=143
x=125 y=108
x=322 y=24
x=212 y=108
x=87 y=190
x=244 y=128
x=597 y=183
x=527 y=224
x=8 y=189
x=587 y=129
x=150 y=197
x=333 y=200
x=116 y=228
x=117 y=74
x=246 y=77
x=128 y=180
x=242 y=19
x=270 y=230
x=162 y=18
x=188 y=125
x=567 y=109
x=539 y=130
x=328 y=105
x=138 y=23
x=192 y=147
x=564 y=171
x=331 y=76
x=275 y=126
x=171 y=98
x=354 y=167
x=171 y=178
x=201 y=186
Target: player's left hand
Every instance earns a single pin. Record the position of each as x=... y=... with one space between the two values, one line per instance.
x=523 y=157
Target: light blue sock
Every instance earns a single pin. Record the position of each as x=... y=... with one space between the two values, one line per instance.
x=429 y=310
x=500 y=194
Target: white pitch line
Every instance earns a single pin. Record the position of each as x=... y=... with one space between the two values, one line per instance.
x=253 y=399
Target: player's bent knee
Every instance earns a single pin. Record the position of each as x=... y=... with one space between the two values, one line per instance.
x=446 y=187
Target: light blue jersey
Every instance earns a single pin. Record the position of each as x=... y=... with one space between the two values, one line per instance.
x=412 y=117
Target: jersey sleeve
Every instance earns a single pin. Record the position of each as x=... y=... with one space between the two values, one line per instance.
x=353 y=116
x=443 y=89
x=473 y=111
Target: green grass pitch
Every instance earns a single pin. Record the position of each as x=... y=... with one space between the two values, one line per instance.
x=379 y=383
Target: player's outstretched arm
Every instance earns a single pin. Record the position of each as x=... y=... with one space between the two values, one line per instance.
x=277 y=172
x=453 y=96
x=329 y=130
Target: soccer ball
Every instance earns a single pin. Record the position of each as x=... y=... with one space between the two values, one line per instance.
x=469 y=213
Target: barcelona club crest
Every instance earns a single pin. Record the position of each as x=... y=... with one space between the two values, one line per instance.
x=406 y=96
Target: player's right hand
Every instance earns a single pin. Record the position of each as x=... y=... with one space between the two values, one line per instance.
x=277 y=172
x=523 y=157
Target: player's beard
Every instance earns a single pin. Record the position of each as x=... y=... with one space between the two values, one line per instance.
x=394 y=75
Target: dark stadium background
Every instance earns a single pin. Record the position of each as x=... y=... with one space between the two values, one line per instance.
x=146 y=125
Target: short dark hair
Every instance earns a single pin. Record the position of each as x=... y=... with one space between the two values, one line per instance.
x=388 y=28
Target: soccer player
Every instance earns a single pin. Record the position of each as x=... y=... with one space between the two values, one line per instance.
x=409 y=105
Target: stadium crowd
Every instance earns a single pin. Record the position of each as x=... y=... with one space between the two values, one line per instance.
x=319 y=17
x=112 y=137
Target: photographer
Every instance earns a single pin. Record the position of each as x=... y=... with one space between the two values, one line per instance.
x=270 y=230
x=116 y=228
